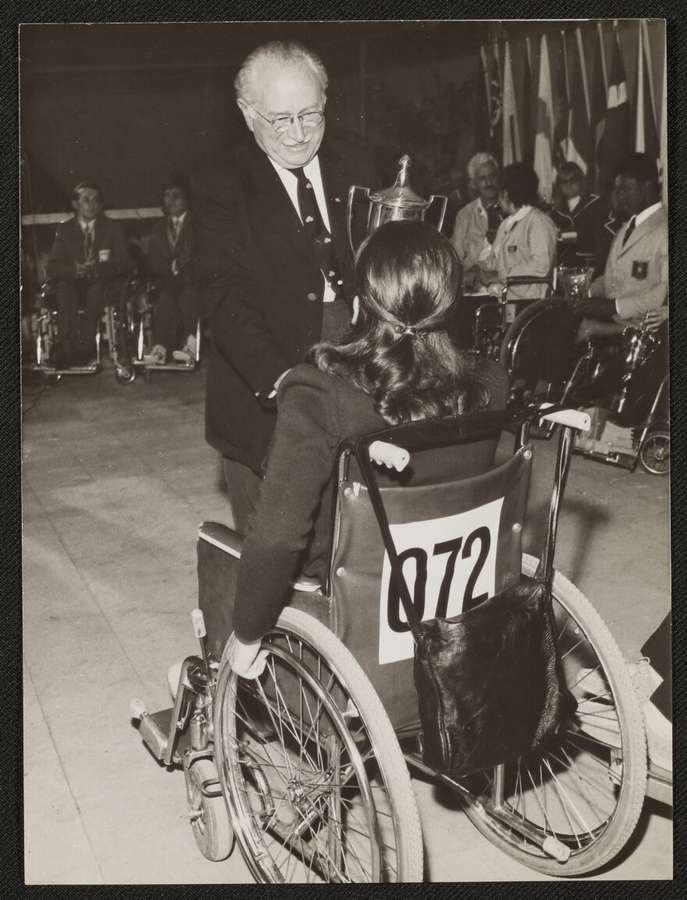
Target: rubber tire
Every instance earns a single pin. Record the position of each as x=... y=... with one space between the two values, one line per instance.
x=647 y=468
x=376 y=721
x=634 y=781
x=216 y=840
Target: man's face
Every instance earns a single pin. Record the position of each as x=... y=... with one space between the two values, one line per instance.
x=629 y=196
x=486 y=182
x=88 y=204
x=174 y=202
x=283 y=91
x=570 y=185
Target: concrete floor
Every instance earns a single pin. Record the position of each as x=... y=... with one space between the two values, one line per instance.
x=115 y=482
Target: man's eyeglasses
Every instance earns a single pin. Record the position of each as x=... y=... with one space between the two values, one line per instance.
x=280 y=124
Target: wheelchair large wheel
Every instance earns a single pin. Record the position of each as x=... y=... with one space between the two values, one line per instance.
x=315 y=781
x=587 y=789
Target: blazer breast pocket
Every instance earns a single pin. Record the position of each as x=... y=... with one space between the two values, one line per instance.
x=640 y=270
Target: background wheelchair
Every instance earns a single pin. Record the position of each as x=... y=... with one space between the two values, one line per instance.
x=307 y=765
x=141 y=334
x=44 y=337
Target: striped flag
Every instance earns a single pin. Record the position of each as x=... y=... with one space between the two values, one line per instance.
x=617 y=137
x=543 y=141
x=646 y=135
x=577 y=147
x=509 y=114
x=558 y=67
x=492 y=95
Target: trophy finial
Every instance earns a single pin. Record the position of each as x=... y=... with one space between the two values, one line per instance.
x=404 y=164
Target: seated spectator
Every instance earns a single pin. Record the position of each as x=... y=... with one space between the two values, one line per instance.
x=397 y=364
x=88 y=260
x=476 y=223
x=635 y=280
x=584 y=221
x=525 y=244
x=170 y=268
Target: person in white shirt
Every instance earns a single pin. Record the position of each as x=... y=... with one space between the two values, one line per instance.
x=635 y=280
x=525 y=244
x=477 y=222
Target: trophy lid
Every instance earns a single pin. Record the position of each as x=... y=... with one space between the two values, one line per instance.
x=401 y=195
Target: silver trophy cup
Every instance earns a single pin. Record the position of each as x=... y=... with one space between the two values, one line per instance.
x=369 y=209
x=575 y=282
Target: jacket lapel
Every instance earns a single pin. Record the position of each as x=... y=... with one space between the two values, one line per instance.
x=640 y=230
x=335 y=181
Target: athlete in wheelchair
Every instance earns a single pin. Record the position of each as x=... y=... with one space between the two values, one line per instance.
x=165 y=323
x=289 y=725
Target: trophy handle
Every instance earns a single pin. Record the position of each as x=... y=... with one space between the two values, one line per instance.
x=443 y=201
x=352 y=191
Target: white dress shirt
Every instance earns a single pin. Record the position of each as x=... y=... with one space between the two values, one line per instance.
x=314 y=176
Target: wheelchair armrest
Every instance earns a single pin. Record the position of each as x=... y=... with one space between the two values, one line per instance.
x=513 y=280
x=231 y=542
x=572 y=418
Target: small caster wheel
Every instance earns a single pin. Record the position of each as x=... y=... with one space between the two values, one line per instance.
x=654 y=454
x=125 y=374
x=208 y=814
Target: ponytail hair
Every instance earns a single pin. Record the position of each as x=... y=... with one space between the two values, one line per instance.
x=408 y=279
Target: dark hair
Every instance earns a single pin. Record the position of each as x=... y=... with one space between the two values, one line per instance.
x=86 y=185
x=408 y=278
x=639 y=166
x=179 y=181
x=521 y=183
x=571 y=168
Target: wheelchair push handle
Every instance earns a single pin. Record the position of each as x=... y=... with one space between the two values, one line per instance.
x=390 y=455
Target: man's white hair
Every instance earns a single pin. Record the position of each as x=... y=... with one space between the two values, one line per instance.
x=279 y=53
x=479 y=160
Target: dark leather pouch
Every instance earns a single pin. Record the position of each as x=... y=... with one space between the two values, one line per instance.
x=487 y=681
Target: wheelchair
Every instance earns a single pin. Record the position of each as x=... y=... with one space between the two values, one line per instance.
x=626 y=380
x=141 y=334
x=307 y=765
x=43 y=337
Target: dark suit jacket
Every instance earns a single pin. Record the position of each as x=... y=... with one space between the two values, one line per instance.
x=589 y=221
x=67 y=250
x=316 y=412
x=262 y=287
x=161 y=254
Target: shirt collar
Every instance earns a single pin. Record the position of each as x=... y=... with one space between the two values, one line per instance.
x=310 y=169
x=178 y=220
x=645 y=213
x=516 y=216
x=86 y=226
x=573 y=202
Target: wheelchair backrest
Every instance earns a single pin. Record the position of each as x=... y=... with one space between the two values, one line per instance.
x=459 y=541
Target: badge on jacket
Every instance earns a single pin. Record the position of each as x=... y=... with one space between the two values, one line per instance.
x=512 y=248
x=640 y=269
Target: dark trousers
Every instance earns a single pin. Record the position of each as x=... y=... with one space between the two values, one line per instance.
x=176 y=315
x=243 y=490
x=77 y=330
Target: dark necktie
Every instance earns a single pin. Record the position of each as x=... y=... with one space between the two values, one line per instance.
x=173 y=229
x=88 y=244
x=493 y=221
x=630 y=229
x=316 y=231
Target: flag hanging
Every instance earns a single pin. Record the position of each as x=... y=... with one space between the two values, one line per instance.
x=646 y=135
x=492 y=97
x=528 y=106
x=558 y=67
x=597 y=102
x=509 y=114
x=577 y=144
x=617 y=137
x=543 y=161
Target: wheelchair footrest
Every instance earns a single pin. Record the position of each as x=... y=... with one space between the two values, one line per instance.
x=154 y=729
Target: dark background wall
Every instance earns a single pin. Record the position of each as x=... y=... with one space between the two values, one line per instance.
x=127 y=104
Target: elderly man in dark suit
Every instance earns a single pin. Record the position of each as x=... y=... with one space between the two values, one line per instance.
x=88 y=261
x=271 y=254
x=170 y=257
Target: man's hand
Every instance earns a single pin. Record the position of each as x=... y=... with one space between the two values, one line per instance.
x=471 y=279
x=85 y=270
x=654 y=318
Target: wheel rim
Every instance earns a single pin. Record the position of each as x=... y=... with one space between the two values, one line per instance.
x=308 y=801
x=655 y=454
x=569 y=791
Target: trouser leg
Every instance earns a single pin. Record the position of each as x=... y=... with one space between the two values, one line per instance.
x=166 y=318
x=243 y=490
x=189 y=307
x=92 y=309
x=67 y=322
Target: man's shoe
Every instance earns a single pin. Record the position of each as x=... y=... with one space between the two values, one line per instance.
x=183 y=356
x=156 y=357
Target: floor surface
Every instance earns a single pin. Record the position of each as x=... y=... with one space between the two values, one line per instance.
x=116 y=480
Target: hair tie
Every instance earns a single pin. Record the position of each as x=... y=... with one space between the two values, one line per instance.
x=406 y=329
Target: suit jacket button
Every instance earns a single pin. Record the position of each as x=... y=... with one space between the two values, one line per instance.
x=312 y=296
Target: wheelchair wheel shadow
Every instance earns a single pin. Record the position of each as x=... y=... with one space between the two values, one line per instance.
x=583 y=521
